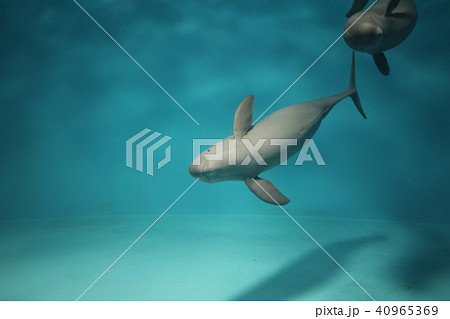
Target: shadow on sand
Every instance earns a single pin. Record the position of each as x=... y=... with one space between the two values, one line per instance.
x=425 y=262
x=306 y=272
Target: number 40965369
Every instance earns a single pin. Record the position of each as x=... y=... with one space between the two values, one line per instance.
x=407 y=310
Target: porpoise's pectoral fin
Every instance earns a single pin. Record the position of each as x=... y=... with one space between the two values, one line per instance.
x=358 y=5
x=391 y=6
x=243 y=117
x=382 y=63
x=266 y=191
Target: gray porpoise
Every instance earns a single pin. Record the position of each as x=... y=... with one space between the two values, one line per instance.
x=297 y=122
x=384 y=26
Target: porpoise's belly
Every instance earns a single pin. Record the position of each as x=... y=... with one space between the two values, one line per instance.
x=296 y=122
x=398 y=26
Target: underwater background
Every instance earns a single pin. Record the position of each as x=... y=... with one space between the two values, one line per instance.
x=69 y=206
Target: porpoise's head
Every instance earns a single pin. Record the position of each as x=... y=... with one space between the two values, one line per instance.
x=214 y=164
x=201 y=166
x=363 y=35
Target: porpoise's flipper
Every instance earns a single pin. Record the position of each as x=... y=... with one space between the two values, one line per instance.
x=382 y=63
x=243 y=117
x=266 y=191
x=358 y=5
x=391 y=6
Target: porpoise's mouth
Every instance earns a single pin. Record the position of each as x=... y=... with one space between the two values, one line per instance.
x=196 y=170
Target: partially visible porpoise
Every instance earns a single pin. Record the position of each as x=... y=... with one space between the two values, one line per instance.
x=384 y=26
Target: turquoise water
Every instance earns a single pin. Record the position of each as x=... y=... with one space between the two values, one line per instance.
x=70 y=206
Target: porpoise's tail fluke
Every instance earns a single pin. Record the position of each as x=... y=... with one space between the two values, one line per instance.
x=352 y=91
